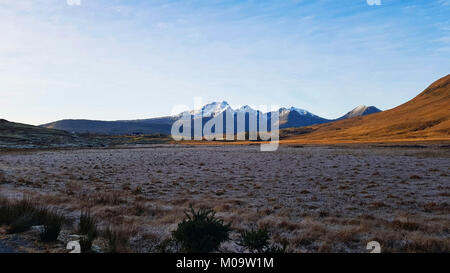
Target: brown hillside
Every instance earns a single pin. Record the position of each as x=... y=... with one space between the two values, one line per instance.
x=18 y=135
x=424 y=118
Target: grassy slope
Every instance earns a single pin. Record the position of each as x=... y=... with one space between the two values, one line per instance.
x=12 y=133
x=424 y=118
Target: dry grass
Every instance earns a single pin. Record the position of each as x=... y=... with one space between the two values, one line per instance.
x=118 y=238
x=430 y=122
x=317 y=199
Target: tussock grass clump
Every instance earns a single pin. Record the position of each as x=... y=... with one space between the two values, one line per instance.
x=87 y=227
x=2 y=177
x=107 y=198
x=139 y=209
x=258 y=241
x=11 y=211
x=88 y=224
x=21 y=224
x=405 y=225
x=20 y=215
x=118 y=239
x=52 y=226
x=254 y=240
x=168 y=245
x=86 y=243
x=201 y=231
x=274 y=248
x=426 y=244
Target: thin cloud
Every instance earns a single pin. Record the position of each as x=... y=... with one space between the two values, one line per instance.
x=73 y=2
x=125 y=60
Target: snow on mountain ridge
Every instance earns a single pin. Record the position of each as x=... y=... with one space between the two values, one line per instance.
x=361 y=110
x=212 y=109
x=217 y=107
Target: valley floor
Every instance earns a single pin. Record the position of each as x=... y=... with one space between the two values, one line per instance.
x=315 y=199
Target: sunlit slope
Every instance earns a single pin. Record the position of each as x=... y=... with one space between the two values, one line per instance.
x=424 y=118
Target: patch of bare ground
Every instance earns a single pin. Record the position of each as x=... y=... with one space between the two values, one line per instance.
x=312 y=199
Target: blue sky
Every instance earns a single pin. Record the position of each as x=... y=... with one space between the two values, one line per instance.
x=116 y=59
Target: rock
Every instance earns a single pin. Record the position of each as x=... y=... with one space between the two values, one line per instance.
x=37 y=228
x=96 y=249
x=220 y=192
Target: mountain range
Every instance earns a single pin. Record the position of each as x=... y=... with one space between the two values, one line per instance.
x=288 y=118
x=424 y=118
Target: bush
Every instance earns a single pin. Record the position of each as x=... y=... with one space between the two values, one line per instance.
x=52 y=226
x=254 y=240
x=201 y=232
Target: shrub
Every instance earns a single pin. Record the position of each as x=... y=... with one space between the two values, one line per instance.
x=254 y=240
x=201 y=231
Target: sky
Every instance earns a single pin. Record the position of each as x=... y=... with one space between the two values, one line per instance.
x=115 y=60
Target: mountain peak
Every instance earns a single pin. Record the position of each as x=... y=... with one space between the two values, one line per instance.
x=300 y=111
x=247 y=109
x=360 y=107
x=217 y=104
x=361 y=110
x=212 y=109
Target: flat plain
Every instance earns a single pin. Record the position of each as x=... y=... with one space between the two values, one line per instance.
x=311 y=198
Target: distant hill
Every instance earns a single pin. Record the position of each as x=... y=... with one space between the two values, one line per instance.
x=18 y=135
x=289 y=118
x=426 y=117
x=144 y=126
x=360 y=111
x=294 y=117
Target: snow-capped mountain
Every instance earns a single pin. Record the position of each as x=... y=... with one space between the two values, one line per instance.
x=215 y=108
x=288 y=117
x=246 y=109
x=360 y=111
x=284 y=111
x=296 y=117
x=212 y=109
